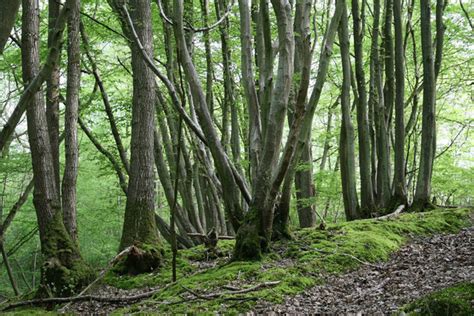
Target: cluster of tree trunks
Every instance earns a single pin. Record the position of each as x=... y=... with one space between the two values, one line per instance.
x=197 y=157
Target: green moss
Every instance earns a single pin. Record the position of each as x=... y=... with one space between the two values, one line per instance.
x=29 y=311
x=249 y=244
x=455 y=300
x=64 y=272
x=311 y=253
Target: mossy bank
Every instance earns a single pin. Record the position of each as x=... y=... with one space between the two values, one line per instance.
x=296 y=264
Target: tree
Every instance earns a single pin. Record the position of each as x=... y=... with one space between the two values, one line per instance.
x=428 y=132
x=367 y=192
x=64 y=270
x=71 y=167
x=139 y=227
x=346 y=142
x=400 y=193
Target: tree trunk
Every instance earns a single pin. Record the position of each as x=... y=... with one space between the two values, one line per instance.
x=376 y=102
x=71 y=116
x=255 y=130
x=222 y=162
x=139 y=228
x=428 y=133
x=366 y=187
x=52 y=94
x=63 y=271
x=304 y=186
x=282 y=212
x=400 y=192
x=348 y=177
x=255 y=233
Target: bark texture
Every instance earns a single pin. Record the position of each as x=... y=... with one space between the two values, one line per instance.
x=428 y=132
x=63 y=271
x=68 y=189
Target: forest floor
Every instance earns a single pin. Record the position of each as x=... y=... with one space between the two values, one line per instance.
x=423 y=266
x=369 y=266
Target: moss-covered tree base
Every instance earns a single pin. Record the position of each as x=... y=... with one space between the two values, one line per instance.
x=422 y=206
x=249 y=244
x=139 y=259
x=64 y=272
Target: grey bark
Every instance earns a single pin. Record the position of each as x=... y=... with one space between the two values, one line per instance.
x=376 y=102
x=366 y=186
x=69 y=199
x=348 y=178
x=59 y=251
x=223 y=165
x=400 y=192
x=52 y=93
x=255 y=129
x=428 y=134
x=139 y=223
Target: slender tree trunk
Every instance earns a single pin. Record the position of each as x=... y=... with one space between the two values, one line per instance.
x=282 y=211
x=255 y=129
x=366 y=187
x=428 y=134
x=389 y=92
x=376 y=102
x=209 y=65
x=222 y=162
x=69 y=201
x=8 y=267
x=63 y=270
x=348 y=177
x=52 y=94
x=400 y=192
x=255 y=233
x=304 y=185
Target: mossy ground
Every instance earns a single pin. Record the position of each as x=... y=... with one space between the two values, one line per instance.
x=297 y=264
x=454 y=300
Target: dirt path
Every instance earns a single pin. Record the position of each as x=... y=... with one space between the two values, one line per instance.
x=421 y=267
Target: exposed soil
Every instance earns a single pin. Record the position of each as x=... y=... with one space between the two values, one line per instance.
x=423 y=266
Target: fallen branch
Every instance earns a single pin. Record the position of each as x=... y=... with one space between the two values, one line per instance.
x=205 y=236
x=101 y=275
x=394 y=214
x=242 y=291
x=57 y=300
